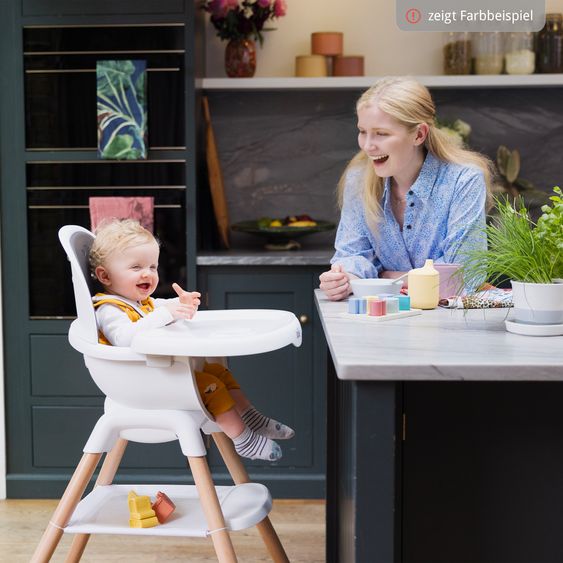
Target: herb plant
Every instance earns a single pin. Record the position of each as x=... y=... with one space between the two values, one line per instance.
x=518 y=248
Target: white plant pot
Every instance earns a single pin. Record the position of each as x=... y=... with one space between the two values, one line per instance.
x=538 y=303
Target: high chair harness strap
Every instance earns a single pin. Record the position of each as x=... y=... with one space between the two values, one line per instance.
x=134 y=313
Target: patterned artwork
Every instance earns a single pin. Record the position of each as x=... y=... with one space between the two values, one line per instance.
x=122 y=109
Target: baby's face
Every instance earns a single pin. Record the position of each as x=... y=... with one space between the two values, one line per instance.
x=132 y=272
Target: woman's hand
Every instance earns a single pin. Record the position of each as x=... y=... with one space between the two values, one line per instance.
x=336 y=283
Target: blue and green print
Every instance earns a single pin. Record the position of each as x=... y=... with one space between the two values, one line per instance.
x=122 y=109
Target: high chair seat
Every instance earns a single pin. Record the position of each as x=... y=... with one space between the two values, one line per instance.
x=152 y=396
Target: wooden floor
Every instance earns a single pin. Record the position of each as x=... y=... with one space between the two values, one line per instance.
x=300 y=525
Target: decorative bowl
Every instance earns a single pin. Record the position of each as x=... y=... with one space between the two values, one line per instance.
x=375 y=286
x=281 y=235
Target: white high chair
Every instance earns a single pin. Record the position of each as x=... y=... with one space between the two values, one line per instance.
x=151 y=397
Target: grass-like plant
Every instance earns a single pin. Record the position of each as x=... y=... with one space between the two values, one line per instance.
x=519 y=249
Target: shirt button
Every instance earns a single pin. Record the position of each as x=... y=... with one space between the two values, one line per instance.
x=411 y=192
x=412 y=204
x=409 y=227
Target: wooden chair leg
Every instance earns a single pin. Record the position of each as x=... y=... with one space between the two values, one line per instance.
x=71 y=497
x=240 y=475
x=105 y=477
x=212 y=510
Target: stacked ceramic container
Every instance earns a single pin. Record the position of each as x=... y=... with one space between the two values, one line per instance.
x=327 y=57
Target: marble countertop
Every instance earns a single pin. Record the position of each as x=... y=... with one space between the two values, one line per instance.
x=439 y=345
x=258 y=256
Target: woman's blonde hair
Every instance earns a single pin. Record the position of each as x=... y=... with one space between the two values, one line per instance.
x=411 y=104
x=115 y=235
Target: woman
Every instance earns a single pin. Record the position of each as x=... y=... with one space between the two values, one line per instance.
x=411 y=193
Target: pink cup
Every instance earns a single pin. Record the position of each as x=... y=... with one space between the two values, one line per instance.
x=450 y=283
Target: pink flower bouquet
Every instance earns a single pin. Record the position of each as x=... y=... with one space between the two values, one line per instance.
x=240 y=19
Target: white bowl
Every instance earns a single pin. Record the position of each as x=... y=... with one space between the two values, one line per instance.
x=375 y=286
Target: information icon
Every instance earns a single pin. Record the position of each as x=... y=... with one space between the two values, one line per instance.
x=413 y=15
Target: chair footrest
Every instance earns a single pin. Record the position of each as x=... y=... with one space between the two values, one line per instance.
x=105 y=510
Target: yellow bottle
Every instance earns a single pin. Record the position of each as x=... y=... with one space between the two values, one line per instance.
x=424 y=285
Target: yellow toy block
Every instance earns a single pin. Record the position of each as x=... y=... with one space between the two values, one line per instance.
x=139 y=503
x=140 y=511
x=143 y=523
x=142 y=515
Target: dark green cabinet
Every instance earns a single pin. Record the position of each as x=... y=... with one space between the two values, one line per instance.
x=48 y=170
x=288 y=384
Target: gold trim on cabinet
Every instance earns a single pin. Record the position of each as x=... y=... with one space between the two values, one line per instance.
x=77 y=70
x=50 y=318
x=93 y=149
x=82 y=25
x=107 y=161
x=125 y=52
x=112 y=188
x=157 y=206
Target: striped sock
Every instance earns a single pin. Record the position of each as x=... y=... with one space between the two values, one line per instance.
x=265 y=426
x=252 y=445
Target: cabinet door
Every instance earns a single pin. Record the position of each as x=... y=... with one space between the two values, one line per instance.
x=284 y=384
x=482 y=466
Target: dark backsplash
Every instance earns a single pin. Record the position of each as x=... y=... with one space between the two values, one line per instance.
x=282 y=152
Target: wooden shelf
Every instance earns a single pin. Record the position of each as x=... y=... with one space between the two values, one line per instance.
x=362 y=82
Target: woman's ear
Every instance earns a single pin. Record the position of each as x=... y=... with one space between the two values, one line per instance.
x=421 y=134
x=103 y=275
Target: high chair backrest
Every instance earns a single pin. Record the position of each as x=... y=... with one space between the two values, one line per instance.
x=120 y=373
x=77 y=242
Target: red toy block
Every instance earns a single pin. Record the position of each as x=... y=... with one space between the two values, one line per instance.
x=163 y=507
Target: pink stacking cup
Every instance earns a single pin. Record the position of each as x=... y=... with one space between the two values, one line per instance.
x=450 y=283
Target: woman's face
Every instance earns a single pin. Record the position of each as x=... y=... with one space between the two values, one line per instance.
x=389 y=144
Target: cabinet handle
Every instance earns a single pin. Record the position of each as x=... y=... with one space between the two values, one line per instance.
x=303 y=319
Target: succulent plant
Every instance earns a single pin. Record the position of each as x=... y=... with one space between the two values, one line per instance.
x=508 y=165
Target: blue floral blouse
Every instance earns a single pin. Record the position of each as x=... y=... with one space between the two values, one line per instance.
x=444 y=215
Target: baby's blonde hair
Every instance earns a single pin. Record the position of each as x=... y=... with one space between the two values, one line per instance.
x=115 y=235
x=410 y=103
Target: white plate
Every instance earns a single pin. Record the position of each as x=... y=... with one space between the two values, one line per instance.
x=533 y=330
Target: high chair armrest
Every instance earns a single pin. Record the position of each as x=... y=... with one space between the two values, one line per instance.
x=102 y=351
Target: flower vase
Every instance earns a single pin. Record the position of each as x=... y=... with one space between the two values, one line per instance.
x=240 y=58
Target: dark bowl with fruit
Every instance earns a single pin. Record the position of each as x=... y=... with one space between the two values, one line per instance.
x=281 y=232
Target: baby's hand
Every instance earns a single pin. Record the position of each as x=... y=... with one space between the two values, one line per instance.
x=180 y=310
x=191 y=299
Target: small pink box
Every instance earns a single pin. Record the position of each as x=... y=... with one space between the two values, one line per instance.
x=377 y=308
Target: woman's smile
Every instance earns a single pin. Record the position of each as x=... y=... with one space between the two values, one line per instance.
x=379 y=160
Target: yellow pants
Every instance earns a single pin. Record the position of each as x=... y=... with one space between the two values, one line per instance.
x=213 y=384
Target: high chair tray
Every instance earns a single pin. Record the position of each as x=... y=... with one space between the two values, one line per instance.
x=232 y=332
x=105 y=510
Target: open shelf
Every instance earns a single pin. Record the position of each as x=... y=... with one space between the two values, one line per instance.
x=361 y=82
x=105 y=510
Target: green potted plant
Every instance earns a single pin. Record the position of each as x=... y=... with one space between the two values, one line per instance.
x=529 y=254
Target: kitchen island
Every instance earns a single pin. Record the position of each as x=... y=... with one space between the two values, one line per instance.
x=444 y=439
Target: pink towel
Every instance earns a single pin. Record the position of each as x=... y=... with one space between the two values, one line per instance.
x=139 y=208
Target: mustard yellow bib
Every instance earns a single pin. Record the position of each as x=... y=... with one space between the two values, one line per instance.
x=147 y=306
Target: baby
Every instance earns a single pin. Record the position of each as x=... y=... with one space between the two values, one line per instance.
x=124 y=259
